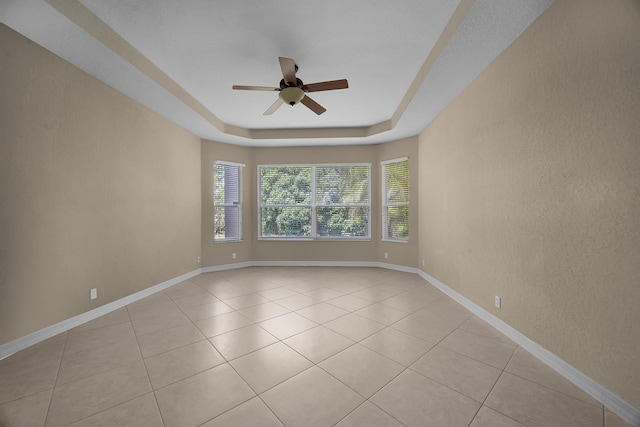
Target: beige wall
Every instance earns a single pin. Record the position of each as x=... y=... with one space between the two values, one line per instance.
x=252 y=249
x=96 y=191
x=402 y=253
x=530 y=189
x=220 y=253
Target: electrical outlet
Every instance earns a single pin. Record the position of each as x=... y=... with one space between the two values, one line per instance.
x=423 y=263
x=386 y=255
x=198 y=260
x=94 y=293
x=233 y=255
x=497 y=301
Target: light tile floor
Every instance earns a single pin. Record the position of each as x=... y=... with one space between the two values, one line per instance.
x=275 y=346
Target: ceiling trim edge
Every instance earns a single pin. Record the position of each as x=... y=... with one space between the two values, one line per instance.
x=459 y=15
x=79 y=14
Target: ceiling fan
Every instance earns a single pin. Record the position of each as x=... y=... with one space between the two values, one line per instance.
x=293 y=90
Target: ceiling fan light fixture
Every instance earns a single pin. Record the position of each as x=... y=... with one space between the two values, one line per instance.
x=291 y=95
x=293 y=91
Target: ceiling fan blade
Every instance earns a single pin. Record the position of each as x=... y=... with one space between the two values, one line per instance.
x=288 y=70
x=313 y=105
x=265 y=88
x=273 y=107
x=330 y=85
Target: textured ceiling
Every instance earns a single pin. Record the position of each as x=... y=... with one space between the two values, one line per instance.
x=405 y=61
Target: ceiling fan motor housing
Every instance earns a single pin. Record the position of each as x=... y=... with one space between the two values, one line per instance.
x=284 y=85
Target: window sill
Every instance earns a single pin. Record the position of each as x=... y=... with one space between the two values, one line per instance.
x=228 y=241
x=395 y=241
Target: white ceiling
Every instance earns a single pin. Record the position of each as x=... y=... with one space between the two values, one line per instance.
x=198 y=48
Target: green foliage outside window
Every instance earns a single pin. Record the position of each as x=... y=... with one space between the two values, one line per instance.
x=341 y=202
x=283 y=188
x=396 y=200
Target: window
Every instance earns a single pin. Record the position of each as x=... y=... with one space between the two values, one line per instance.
x=314 y=201
x=342 y=201
x=395 y=200
x=227 y=201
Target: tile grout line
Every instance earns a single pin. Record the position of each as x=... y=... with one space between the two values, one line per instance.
x=313 y=363
x=501 y=370
x=554 y=390
x=236 y=372
x=92 y=375
x=155 y=399
x=444 y=385
x=473 y=358
x=371 y=403
x=491 y=390
x=319 y=324
x=317 y=365
x=55 y=383
x=492 y=338
x=227 y=361
x=352 y=345
x=405 y=367
x=251 y=388
x=366 y=399
x=278 y=340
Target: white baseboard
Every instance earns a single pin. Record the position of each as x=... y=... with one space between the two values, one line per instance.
x=315 y=264
x=23 y=342
x=290 y=264
x=609 y=399
x=227 y=267
x=397 y=267
x=310 y=264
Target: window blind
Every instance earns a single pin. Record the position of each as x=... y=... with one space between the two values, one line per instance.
x=227 y=201
x=308 y=201
x=285 y=201
x=342 y=201
x=395 y=199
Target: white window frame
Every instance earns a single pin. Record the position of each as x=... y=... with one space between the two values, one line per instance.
x=386 y=204
x=313 y=205
x=225 y=205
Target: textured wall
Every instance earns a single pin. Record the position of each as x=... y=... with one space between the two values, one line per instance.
x=252 y=249
x=220 y=253
x=402 y=253
x=96 y=191
x=530 y=189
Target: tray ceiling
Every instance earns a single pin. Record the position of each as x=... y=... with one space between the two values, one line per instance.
x=405 y=61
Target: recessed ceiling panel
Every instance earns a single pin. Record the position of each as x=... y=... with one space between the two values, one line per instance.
x=203 y=47
x=207 y=46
